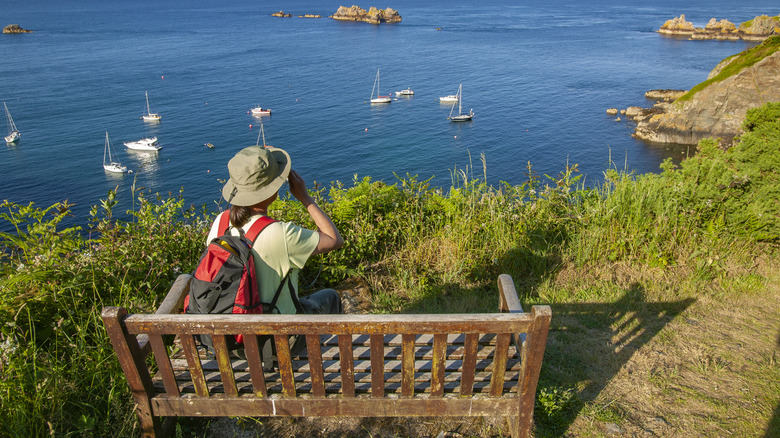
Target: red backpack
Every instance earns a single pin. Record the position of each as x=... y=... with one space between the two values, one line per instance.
x=225 y=282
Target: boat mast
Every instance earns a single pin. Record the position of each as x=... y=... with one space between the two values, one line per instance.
x=376 y=82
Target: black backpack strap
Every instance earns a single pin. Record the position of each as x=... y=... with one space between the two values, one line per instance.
x=293 y=295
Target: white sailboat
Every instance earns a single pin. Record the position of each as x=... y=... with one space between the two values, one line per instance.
x=13 y=133
x=149 y=116
x=111 y=165
x=460 y=117
x=379 y=98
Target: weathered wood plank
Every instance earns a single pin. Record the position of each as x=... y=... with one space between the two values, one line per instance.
x=437 y=364
x=315 y=365
x=407 y=366
x=271 y=324
x=377 y=366
x=225 y=366
x=164 y=365
x=285 y=364
x=469 y=365
x=346 y=363
x=194 y=366
x=353 y=407
x=252 y=348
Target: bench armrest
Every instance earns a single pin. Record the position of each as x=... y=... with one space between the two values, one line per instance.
x=171 y=304
x=508 y=301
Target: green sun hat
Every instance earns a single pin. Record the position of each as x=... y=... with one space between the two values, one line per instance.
x=256 y=174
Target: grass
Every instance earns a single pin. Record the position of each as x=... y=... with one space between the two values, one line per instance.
x=663 y=289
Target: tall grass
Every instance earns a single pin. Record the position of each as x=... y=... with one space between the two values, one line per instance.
x=420 y=248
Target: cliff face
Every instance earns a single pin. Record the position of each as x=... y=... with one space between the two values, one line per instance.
x=716 y=108
x=373 y=15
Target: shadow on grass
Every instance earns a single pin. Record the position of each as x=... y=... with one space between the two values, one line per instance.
x=773 y=430
x=588 y=345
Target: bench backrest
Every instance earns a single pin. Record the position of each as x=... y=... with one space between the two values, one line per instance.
x=406 y=357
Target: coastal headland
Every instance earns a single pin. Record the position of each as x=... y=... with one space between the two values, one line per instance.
x=716 y=107
x=757 y=29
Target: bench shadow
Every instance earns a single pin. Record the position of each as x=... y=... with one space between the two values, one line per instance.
x=589 y=343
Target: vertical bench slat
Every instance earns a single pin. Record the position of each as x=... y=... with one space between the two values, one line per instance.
x=377 y=365
x=252 y=349
x=347 y=366
x=164 y=365
x=193 y=363
x=437 y=364
x=407 y=360
x=499 y=364
x=315 y=365
x=469 y=364
x=285 y=365
x=225 y=367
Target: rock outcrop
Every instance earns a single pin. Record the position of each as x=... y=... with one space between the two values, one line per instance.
x=373 y=15
x=15 y=28
x=716 y=107
x=281 y=14
x=757 y=29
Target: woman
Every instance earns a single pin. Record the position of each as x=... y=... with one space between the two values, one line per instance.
x=282 y=248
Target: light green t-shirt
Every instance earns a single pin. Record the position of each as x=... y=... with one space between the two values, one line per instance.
x=280 y=247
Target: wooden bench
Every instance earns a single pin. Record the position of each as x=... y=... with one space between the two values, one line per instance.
x=414 y=365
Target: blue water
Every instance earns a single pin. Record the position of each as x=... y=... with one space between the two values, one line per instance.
x=539 y=76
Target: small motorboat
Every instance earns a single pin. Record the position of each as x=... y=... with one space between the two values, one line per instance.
x=260 y=111
x=144 y=144
x=208 y=145
x=407 y=92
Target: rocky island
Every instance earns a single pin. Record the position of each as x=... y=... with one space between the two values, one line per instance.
x=717 y=106
x=373 y=15
x=15 y=28
x=757 y=29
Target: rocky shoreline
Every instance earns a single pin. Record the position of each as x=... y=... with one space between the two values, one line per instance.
x=718 y=105
x=757 y=29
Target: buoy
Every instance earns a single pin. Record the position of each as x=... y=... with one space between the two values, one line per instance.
x=163 y=77
x=366 y=129
x=455 y=136
x=250 y=126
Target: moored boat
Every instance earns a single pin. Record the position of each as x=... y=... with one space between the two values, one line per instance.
x=260 y=111
x=379 y=98
x=150 y=116
x=144 y=144
x=111 y=165
x=406 y=92
x=13 y=133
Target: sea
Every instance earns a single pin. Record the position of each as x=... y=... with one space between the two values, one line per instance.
x=539 y=77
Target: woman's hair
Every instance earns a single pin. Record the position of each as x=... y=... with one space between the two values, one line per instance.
x=239 y=215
